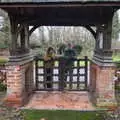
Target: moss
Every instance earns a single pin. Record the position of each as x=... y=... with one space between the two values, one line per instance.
x=3 y=61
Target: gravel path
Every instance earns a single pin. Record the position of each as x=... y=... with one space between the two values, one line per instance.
x=9 y=113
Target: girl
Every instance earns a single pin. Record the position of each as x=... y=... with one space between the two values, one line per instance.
x=49 y=63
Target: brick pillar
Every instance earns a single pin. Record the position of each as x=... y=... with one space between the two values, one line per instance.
x=19 y=83
x=102 y=85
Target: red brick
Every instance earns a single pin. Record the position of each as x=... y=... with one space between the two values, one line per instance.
x=15 y=82
x=103 y=82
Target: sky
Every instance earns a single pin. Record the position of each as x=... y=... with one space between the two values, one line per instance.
x=1 y=21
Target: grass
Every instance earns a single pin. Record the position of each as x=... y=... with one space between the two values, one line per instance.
x=61 y=115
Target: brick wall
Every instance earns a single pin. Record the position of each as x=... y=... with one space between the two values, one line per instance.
x=19 y=83
x=103 y=85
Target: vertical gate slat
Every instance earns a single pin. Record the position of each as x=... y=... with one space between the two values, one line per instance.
x=36 y=72
x=78 y=83
x=71 y=77
x=52 y=74
x=86 y=71
x=44 y=75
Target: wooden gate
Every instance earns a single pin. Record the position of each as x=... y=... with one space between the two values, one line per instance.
x=62 y=77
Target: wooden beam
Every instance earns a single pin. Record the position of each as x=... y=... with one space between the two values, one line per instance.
x=91 y=30
x=33 y=29
x=61 y=4
x=60 y=21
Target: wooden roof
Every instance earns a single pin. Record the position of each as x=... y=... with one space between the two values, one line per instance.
x=33 y=1
x=68 y=13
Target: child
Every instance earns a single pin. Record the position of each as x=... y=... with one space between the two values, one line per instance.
x=49 y=63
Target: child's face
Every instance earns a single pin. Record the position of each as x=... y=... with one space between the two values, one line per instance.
x=51 y=52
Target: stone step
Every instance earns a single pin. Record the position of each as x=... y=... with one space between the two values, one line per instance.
x=60 y=100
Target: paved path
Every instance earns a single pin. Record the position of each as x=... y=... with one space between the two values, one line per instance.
x=60 y=100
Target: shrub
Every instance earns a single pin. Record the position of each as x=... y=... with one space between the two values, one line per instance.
x=118 y=64
x=61 y=48
x=77 y=49
x=3 y=46
x=3 y=87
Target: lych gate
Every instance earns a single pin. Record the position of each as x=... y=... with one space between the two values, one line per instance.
x=61 y=13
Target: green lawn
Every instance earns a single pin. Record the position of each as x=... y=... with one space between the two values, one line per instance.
x=61 y=115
